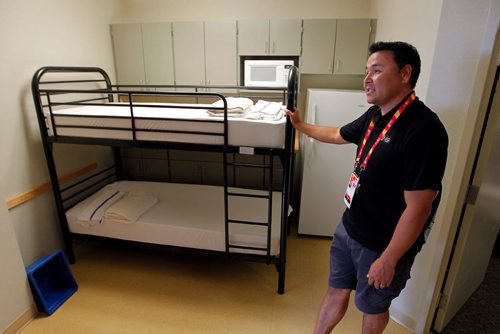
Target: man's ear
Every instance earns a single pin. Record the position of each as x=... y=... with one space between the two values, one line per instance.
x=406 y=74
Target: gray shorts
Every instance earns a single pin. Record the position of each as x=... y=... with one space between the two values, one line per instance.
x=349 y=265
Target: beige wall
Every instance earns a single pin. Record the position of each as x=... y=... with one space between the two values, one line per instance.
x=15 y=296
x=198 y=10
x=34 y=34
x=415 y=22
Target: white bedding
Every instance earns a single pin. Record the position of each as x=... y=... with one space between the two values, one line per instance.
x=188 y=216
x=103 y=121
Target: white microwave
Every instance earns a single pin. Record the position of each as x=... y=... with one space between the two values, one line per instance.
x=266 y=72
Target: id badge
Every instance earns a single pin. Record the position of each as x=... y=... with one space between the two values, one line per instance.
x=351 y=189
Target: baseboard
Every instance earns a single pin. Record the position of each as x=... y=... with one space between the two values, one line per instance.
x=403 y=320
x=22 y=321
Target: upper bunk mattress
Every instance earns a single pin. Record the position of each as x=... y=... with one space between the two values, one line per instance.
x=157 y=122
x=186 y=215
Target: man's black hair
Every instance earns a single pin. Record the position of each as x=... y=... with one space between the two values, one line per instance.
x=404 y=54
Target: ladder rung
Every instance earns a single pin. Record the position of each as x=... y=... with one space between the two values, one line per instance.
x=246 y=222
x=247 y=195
x=241 y=164
x=246 y=247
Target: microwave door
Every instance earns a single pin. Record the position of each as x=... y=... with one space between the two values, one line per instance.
x=263 y=74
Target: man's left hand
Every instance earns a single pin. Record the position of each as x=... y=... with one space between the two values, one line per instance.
x=381 y=274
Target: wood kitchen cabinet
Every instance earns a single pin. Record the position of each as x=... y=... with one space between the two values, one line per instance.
x=351 y=46
x=127 y=47
x=158 y=55
x=207 y=53
x=269 y=37
x=189 y=53
x=220 y=53
x=143 y=53
x=318 y=46
x=335 y=46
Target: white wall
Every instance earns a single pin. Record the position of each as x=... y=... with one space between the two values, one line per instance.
x=454 y=58
x=34 y=34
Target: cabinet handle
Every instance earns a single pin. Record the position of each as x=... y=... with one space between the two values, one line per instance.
x=274 y=46
x=330 y=66
x=265 y=46
x=337 y=66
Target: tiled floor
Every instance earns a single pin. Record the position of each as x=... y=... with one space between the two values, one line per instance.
x=130 y=290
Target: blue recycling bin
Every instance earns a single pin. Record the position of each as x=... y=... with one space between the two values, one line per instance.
x=51 y=281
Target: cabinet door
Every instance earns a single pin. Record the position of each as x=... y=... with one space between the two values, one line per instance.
x=220 y=52
x=351 y=48
x=285 y=37
x=318 y=46
x=127 y=48
x=158 y=53
x=253 y=37
x=189 y=53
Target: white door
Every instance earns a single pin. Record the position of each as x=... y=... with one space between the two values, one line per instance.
x=253 y=37
x=327 y=167
x=351 y=46
x=220 y=52
x=318 y=46
x=189 y=51
x=127 y=48
x=479 y=225
x=158 y=53
x=285 y=37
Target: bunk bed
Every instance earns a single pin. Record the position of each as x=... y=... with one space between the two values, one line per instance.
x=80 y=105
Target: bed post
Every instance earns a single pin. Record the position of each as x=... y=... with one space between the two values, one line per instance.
x=118 y=162
x=47 y=148
x=287 y=175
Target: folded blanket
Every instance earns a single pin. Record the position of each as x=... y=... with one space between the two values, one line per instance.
x=129 y=208
x=93 y=213
x=236 y=107
x=265 y=110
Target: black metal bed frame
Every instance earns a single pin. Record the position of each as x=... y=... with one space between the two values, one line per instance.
x=49 y=95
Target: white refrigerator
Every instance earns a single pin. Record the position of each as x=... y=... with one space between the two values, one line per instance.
x=326 y=167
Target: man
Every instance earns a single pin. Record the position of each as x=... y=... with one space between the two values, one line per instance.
x=392 y=194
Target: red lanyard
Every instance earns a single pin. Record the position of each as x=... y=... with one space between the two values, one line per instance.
x=383 y=133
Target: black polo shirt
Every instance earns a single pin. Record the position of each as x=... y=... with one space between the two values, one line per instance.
x=411 y=157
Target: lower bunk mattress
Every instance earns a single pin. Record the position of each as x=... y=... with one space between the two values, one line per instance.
x=184 y=215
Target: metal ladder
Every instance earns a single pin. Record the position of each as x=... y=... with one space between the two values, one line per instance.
x=266 y=194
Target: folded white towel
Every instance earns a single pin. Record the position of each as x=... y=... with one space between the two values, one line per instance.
x=130 y=208
x=93 y=213
x=236 y=107
x=265 y=110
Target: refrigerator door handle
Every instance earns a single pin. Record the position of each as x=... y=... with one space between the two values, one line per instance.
x=313 y=119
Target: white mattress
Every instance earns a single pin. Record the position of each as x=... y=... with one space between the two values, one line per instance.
x=188 y=216
x=241 y=132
